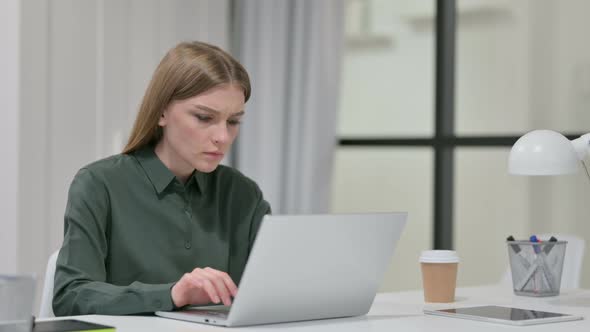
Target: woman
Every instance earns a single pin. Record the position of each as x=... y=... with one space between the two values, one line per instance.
x=163 y=225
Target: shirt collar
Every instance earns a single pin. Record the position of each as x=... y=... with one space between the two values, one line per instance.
x=160 y=176
x=200 y=178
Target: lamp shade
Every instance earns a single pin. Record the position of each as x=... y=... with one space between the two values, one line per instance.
x=543 y=152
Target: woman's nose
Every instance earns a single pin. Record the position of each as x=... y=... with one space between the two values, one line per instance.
x=221 y=134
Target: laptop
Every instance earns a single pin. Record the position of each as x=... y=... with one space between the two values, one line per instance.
x=308 y=267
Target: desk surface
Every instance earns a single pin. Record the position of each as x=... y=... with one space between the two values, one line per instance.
x=394 y=312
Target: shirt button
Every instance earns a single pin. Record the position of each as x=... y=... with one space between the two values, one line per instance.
x=187 y=244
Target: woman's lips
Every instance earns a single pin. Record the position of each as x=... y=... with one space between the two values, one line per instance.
x=214 y=155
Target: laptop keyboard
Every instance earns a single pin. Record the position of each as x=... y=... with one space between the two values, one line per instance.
x=221 y=312
x=214 y=313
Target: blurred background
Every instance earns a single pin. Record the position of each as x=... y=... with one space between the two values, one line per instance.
x=343 y=116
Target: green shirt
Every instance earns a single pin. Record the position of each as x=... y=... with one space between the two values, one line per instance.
x=131 y=230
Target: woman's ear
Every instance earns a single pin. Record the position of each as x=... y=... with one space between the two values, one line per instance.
x=163 y=119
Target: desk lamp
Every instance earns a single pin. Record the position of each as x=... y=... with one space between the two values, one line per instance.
x=546 y=152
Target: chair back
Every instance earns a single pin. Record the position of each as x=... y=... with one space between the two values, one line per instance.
x=46 y=310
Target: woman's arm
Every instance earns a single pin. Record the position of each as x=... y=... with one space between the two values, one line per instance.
x=262 y=209
x=80 y=277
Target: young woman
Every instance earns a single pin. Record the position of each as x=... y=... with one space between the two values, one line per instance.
x=163 y=225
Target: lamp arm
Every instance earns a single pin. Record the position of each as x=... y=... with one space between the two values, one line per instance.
x=582 y=146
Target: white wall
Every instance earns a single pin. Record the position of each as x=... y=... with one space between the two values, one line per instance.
x=85 y=65
x=9 y=132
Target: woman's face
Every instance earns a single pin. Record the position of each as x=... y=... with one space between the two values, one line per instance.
x=198 y=132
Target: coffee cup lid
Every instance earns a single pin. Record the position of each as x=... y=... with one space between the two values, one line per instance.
x=439 y=256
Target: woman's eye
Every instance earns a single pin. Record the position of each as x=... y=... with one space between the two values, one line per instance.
x=203 y=118
x=234 y=122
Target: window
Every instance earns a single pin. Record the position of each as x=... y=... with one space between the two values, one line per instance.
x=519 y=65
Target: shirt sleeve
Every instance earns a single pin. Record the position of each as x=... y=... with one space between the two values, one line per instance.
x=80 y=285
x=262 y=209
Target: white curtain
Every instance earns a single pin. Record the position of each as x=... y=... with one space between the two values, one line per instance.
x=292 y=50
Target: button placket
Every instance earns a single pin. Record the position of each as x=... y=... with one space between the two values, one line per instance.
x=189 y=226
x=189 y=215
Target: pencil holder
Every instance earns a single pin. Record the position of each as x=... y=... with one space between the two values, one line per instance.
x=536 y=267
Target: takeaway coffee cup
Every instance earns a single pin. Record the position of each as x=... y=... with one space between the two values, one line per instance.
x=439 y=275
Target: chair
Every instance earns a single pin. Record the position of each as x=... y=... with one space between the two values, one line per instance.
x=46 y=310
x=572 y=264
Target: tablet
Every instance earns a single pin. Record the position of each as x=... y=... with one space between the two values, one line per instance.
x=504 y=315
x=70 y=325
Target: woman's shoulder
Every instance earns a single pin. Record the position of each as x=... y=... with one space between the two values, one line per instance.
x=105 y=167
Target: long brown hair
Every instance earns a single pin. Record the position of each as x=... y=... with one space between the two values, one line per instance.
x=187 y=70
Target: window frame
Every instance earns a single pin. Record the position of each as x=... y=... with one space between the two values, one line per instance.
x=445 y=141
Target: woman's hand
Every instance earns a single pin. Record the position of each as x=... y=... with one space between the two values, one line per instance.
x=202 y=286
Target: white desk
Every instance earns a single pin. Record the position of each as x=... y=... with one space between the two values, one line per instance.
x=395 y=312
